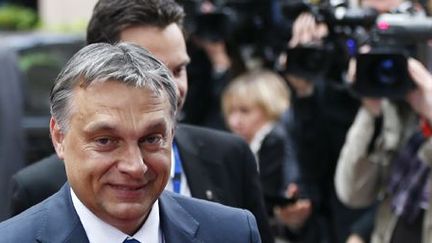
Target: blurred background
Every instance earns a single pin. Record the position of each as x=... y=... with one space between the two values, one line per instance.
x=43 y=35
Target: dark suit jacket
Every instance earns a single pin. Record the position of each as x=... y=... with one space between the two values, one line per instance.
x=271 y=157
x=219 y=167
x=11 y=133
x=182 y=220
x=277 y=164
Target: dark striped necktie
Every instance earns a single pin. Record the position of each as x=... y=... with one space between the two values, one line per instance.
x=131 y=240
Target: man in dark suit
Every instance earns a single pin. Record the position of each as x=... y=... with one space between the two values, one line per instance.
x=216 y=166
x=177 y=227
x=113 y=111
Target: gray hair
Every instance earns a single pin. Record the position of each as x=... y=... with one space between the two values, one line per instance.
x=125 y=63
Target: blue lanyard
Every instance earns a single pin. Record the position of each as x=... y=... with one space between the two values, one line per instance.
x=177 y=169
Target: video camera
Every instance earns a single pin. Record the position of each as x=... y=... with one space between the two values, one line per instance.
x=380 y=73
x=239 y=19
x=383 y=72
x=318 y=61
x=245 y=24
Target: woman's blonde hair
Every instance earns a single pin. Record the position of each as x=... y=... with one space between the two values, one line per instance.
x=264 y=88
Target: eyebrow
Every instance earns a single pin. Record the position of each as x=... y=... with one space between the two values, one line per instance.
x=99 y=126
x=157 y=124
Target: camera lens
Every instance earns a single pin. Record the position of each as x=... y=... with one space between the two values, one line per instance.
x=385 y=72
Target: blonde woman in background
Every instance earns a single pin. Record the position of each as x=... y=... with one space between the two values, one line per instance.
x=253 y=104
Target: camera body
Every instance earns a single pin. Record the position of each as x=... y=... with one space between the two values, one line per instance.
x=382 y=73
x=309 y=62
x=334 y=51
x=243 y=21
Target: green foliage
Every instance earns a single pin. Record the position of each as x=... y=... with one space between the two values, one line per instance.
x=13 y=17
x=38 y=59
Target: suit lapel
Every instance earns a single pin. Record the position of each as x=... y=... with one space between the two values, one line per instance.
x=61 y=222
x=178 y=225
x=196 y=165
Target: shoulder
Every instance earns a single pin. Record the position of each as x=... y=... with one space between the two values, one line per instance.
x=204 y=132
x=277 y=136
x=233 y=224
x=42 y=169
x=279 y=132
x=211 y=144
x=38 y=181
x=209 y=136
x=25 y=226
x=203 y=209
x=45 y=222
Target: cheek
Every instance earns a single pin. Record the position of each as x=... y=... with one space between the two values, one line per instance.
x=232 y=122
x=236 y=123
x=159 y=163
x=256 y=121
x=84 y=165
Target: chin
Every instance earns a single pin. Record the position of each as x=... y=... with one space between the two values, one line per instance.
x=129 y=211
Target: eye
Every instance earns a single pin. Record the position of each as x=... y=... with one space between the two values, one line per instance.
x=178 y=71
x=244 y=110
x=152 y=140
x=105 y=143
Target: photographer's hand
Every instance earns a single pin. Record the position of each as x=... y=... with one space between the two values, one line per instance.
x=420 y=99
x=306 y=30
x=295 y=215
x=372 y=105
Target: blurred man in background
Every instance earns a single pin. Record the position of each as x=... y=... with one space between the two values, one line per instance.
x=11 y=139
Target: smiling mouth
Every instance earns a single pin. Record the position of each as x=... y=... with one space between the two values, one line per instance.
x=127 y=187
x=128 y=191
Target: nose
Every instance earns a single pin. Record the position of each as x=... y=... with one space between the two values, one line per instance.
x=132 y=162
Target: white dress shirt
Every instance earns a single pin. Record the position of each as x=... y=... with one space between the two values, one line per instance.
x=99 y=231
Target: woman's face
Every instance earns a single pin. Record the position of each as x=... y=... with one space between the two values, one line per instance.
x=245 y=119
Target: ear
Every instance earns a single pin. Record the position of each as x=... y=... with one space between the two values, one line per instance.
x=57 y=137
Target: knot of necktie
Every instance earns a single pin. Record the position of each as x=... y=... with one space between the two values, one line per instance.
x=131 y=240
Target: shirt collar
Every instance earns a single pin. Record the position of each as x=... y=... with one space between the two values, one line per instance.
x=99 y=231
x=259 y=136
x=172 y=171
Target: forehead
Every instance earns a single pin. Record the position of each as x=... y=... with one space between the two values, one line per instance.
x=116 y=101
x=237 y=102
x=167 y=44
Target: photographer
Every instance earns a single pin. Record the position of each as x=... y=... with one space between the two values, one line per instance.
x=306 y=30
x=215 y=60
x=387 y=157
x=323 y=112
x=384 y=158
